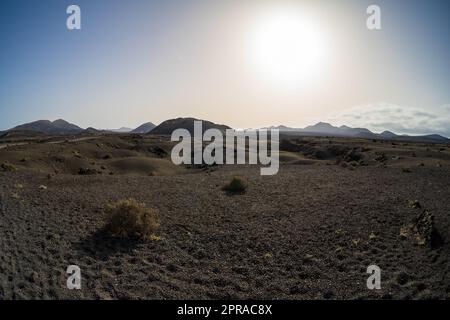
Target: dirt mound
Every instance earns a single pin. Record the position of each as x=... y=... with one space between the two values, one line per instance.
x=111 y=154
x=322 y=151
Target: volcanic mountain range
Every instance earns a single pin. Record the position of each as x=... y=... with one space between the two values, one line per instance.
x=320 y=129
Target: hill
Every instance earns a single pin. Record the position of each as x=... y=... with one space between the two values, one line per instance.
x=46 y=126
x=326 y=129
x=168 y=126
x=144 y=128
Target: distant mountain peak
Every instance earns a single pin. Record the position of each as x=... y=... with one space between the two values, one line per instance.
x=326 y=129
x=59 y=126
x=321 y=125
x=387 y=134
x=144 y=128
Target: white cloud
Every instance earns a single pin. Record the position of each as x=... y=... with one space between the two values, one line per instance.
x=399 y=119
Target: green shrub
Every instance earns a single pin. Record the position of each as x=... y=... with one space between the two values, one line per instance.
x=131 y=219
x=236 y=185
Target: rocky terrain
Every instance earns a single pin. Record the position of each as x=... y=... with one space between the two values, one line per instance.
x=336 y=206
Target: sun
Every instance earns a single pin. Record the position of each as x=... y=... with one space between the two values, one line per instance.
x=287 y=47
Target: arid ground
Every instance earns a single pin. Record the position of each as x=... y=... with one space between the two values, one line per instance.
x=310 y=232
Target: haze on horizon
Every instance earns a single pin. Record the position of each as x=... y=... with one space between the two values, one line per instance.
x=250 y=63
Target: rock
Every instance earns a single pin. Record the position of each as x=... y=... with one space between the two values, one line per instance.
x=86 y=171
x=403 y=278
x=328 y=294
x=387 y=296
x=33 y=277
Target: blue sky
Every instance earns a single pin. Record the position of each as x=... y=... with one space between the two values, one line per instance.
x=136 y=61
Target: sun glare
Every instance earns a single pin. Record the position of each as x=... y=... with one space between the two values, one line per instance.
x=287 y=48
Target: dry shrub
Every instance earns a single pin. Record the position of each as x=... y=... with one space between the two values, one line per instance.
x=8 y=167
x=236 y=185
x=131 y=219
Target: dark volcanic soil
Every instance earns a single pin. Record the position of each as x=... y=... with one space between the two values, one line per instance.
x=309 y=232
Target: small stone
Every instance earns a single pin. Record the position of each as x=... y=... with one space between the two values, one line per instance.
x=328 y=294
x=387 y=296
x=33 y=277
x=403 y=278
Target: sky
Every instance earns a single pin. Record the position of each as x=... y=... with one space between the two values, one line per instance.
x=246 y=63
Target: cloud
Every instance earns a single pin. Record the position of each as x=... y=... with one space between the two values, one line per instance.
x=399 y=119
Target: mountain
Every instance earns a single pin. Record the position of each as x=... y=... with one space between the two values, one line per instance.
x=92 y=130
x=46 y=126
x=144 y=128
x=322 y=127
x=387 y=134
x=168 y=126
x=326 y=129
x=429 y=138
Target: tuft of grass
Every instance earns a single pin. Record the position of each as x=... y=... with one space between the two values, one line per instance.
x=76 y=154
x=132 y=219
x=404 y=231
x=237 y=185
x=15 y=195
x=415 y=204
x=268 y=255
x=8 y=167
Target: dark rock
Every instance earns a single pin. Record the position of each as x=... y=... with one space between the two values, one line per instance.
x=403 y=278
x=328 y=294
x=86 y=171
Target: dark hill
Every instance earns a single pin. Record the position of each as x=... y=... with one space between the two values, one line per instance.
x=144 y=128
x=168 y=126
x=56 y=127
